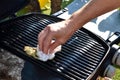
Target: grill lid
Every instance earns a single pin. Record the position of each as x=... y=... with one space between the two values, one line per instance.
x=8 y=7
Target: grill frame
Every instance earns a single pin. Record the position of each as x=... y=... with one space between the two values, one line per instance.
x=26 y=57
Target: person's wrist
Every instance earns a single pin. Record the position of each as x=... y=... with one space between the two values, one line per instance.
x=73 y=25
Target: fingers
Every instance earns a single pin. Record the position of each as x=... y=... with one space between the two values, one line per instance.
x=41 y=38
x=54 y=45
x=45 y=39
x=47 y=42
x=106 y=78
x=46 y=36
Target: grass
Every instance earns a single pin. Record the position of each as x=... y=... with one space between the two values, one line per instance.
x=64 y=4
x=117 y=74
x=27 y=9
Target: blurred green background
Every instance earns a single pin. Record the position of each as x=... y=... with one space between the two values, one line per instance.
x=47 y=10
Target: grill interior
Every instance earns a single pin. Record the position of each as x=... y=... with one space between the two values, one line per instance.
x=80 y=55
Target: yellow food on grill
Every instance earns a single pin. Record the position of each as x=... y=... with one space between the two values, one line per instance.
x=102 y=78
x=31 y=51
x=38 y=54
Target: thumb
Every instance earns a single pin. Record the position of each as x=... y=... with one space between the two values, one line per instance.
x=54 y=45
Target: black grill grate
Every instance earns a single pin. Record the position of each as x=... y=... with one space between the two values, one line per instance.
x=80 y=55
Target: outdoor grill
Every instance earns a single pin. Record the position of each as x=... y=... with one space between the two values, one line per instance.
x=85 y=56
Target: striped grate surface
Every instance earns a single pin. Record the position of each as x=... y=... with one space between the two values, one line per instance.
x=77 y=60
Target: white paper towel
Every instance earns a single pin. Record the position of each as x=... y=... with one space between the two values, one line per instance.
x=44 y=57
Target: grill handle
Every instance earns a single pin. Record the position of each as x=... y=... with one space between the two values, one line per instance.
x=116 y=57
x=109 y=71
x=113 y=39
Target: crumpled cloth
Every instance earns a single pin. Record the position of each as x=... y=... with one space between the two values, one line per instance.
x=45 y=57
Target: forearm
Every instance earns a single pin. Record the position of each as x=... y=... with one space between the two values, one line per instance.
x=92 y=9
x=62 y=31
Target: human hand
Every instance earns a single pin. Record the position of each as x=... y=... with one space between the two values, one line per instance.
x=103 y=78
x=106 y=78
x=59 y=32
